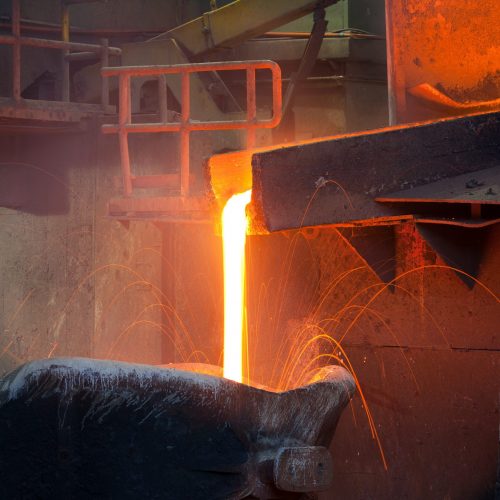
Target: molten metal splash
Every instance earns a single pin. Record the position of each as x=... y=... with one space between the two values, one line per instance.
x=234 y=228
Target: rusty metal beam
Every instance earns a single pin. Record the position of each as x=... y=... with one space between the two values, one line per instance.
x=65 y=83
x=336 y=180
x=16 y=51
x=292 y=50
x=73 y=2
x=55 y=111
x=241 y=20
x=466 y=223
x=482 y=187
x=166 y=208
x=45 y=43
x=20 y=127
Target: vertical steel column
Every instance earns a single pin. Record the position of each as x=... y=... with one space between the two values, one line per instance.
x=162 y=98
x=125 y=118
x=396 y=86
x=104 y=81
x=185 y=112
x=16 y=50
x=64 y=60
x=251 y=107
x=277 y=94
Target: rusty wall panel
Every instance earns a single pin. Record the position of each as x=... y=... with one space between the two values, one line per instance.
x=426 y=351
x=192 y=283
x=437 y=417
x=452 y=44
x=45 y=248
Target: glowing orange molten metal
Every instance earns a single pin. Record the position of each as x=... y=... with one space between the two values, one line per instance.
x=234 y=228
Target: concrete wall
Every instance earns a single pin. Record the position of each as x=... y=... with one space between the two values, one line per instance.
x=72 y=282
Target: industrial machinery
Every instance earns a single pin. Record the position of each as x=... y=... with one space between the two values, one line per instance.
x=368 y=132
x=115 y=429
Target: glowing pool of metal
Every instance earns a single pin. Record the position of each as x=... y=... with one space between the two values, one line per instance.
x=84 y=428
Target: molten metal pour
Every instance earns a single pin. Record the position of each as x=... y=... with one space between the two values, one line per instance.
x=104 y=428
x=234 y=228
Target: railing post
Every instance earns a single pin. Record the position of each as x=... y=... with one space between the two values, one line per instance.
x=64 y=59
x=104 y=80
x=16 y=50
x=251 y=107
x=162 y=98
x=277 y=95
x=124 y=119
x=185 y=112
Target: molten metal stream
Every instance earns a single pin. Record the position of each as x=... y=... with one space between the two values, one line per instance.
x=234 y=228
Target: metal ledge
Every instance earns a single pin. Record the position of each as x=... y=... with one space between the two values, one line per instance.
x=53 y=111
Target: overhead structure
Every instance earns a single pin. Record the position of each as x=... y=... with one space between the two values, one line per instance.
x=238 y=21
x=21 y=112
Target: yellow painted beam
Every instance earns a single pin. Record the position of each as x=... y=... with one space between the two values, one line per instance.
x=238 y=21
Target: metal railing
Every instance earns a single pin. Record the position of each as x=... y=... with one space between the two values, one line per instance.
x=70 y=51
x=186 y=125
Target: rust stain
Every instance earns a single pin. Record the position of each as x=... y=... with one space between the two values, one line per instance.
x=452 y=45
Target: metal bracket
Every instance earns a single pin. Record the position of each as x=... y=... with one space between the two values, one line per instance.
x=376 y=245
x=305 y=67
x=460 y=247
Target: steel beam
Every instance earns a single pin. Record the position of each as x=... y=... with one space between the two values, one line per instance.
x=162 y=52
x=336 y=180
x=165 y=208
x=481 y=188
x=239 y=21
x=292 y=49
x=46 y=43
x=55 y=111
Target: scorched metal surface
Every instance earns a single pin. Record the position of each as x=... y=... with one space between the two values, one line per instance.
x=82 y=428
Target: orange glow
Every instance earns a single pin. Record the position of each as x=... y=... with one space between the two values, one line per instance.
x=234 y=229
